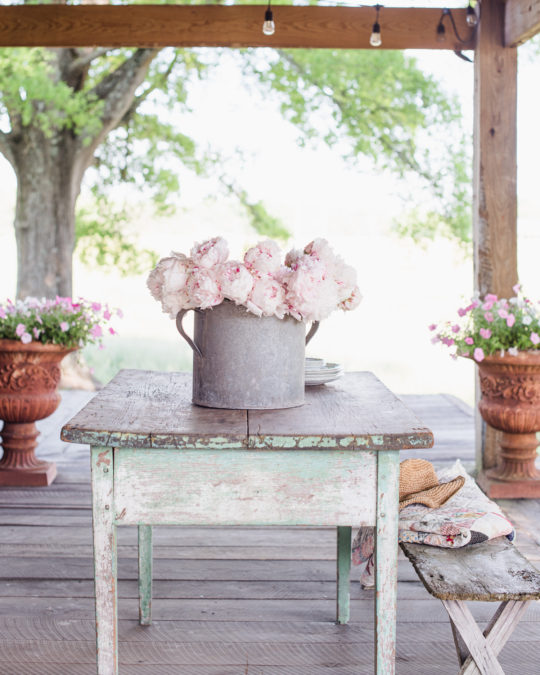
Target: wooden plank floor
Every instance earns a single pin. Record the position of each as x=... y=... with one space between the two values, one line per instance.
x=228 y=601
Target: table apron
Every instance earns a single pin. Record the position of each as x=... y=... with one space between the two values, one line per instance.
x=245 y=487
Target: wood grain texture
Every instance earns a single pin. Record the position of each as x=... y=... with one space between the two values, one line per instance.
x=494 y=176
x=357 y=412
x=244 y=487
x=105 y=561
x=343 y=593
x=145 y=574
x=221 y=26
x=521 y=21
x=490 y=571
x=153 y=410
x=145 y=409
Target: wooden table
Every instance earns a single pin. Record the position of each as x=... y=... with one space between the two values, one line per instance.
x=159 y=460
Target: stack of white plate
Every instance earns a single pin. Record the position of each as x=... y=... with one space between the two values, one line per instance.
x=318 y=371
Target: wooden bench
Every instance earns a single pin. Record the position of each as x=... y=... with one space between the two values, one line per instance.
x=491 y=571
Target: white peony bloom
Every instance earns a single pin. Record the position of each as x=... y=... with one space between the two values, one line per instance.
x=265 y=257
x=210 y=253
x=203 y=289
x=267 y=298
x=236 y=281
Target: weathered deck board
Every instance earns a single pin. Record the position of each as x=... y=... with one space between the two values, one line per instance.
x=241 y=601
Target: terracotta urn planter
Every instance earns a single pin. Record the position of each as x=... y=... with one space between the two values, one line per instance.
x=510 y=402
x=29 y=375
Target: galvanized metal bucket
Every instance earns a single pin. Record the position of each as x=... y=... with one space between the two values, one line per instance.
x=242 y=361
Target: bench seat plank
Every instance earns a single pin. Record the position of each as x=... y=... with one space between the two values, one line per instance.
x=491 y=571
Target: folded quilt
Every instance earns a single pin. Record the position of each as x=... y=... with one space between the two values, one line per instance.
x=467 y=518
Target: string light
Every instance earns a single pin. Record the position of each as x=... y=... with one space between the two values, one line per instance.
x=268 y=27
x=472 y=22
x=472 y=18
x=375 y=37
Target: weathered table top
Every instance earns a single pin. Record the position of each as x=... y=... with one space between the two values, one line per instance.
x=146 y=409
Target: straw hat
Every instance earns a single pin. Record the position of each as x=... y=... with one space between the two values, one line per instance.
x=418 y=484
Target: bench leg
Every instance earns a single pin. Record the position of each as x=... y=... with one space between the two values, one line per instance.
x=104 y=530
x=343 y=573
x=145 y=575
x=477 y=651
x=386 y=552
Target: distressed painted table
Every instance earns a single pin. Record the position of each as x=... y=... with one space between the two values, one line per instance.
x=157 y=459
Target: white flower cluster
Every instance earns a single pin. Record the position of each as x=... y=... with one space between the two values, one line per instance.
x=309 y=285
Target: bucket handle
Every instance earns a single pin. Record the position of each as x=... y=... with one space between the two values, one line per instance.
x=179 y=319
x=314 y=328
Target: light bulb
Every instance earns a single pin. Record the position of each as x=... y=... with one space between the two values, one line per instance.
x=375 y=38
x=441 y=33
x=269 y=27
x=472 y=18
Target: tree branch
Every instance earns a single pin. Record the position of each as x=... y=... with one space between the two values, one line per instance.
x=85 y=59
x=160 y=81
x=116 y=90
x=5 y=148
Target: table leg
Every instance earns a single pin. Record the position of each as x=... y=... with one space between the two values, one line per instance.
x=145 y=575
x=343 y=574
x=104 y=560
x=386 y=550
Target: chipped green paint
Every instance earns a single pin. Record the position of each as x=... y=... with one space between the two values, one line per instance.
x=386 y=561
x=377 y=440
x=145 y=575
x=343 y=573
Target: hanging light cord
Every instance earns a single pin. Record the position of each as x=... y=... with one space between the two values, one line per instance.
x=448 y=12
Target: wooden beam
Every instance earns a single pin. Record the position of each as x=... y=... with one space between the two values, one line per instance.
x=495 y=170
x=222 y=26
x=521 y=21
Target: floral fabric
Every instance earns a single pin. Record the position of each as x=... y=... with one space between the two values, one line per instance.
x=467 y=518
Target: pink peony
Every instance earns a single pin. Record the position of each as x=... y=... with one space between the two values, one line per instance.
x=352 y=301
x=203 y=289
x=167 y=283
x=535 y=338
x=263 y=258
x=236 y=282
x=485 y=333
x=478 y=354
x=26 y=338
x=210 y=253
x=267 y=298
x=312 y=294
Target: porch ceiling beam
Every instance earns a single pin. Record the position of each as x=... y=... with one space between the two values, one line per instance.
x=521 y=21
x=223 y=26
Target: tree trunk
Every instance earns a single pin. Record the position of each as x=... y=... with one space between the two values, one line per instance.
x=47 y=188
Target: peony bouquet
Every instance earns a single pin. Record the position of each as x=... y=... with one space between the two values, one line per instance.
x=491 y=325
x=62 y=321
x=307 y=285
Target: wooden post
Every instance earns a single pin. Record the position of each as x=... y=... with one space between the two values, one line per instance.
x=494 y=184
x=145 y=575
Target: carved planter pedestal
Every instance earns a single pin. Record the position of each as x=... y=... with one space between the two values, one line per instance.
x=29 y=375
x=510 y=402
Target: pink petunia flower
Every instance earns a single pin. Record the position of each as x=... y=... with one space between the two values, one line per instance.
x=96 y=306
x=2 y=313
x=469 y=340
x=516 y=288
x=510 y=320
x=491 y=297
x=96 y=331
x=36 y=333
x=107 y=315
x=488 y=316
x=502 y=313
x=20 y=330
x=462 y=311
x=432 y=326
x=485 y=333
x=112 y=331
x=455 y=328
x=26 y=338
x=478 y=354
x=119 y=313
x=487 y=305
x=64 y=326
x=535 y=338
